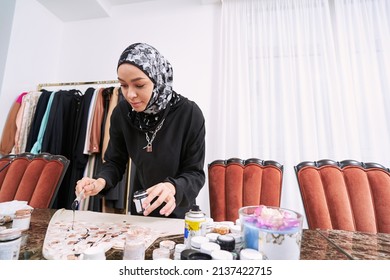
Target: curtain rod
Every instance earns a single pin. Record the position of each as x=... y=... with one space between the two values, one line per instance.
x=40 y=86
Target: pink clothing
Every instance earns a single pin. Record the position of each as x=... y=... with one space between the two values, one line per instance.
x=20 y=97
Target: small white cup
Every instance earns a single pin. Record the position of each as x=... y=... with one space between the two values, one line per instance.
x=94 y=253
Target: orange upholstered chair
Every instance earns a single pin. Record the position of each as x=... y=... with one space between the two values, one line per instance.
x=346 y=195
x=235 y=183
x=32 y=178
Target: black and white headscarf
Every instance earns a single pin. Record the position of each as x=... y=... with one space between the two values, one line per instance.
x=160 y=72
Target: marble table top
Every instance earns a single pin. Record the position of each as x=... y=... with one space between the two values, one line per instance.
x=315 y=244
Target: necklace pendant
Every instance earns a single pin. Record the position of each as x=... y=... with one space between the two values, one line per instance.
x=149 y=148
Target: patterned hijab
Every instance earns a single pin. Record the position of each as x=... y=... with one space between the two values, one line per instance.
x=160 y=72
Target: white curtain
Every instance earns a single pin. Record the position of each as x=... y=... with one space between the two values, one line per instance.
x=303 y=80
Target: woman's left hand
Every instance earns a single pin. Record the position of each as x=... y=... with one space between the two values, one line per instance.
x=165 y=192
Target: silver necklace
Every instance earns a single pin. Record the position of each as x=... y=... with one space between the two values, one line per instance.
x=148 y=146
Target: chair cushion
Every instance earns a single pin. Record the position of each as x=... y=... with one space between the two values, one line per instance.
x=235 y=183
x=347 y=197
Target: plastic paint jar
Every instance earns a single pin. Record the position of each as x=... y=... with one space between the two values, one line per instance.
x=22 y=219
x=161 y=253
x=250 y=254
x=212 y=236
x=184 y=255
x=178 y=249
x=221 y=255
x=228 y=243
x=199 y=256
x=138 y=198
x=239 y=242
x=10 y=240
x=170 y=245
x=209 y=247
x=197 y=241
x=134 y=247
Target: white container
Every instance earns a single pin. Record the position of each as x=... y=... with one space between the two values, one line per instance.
x=212 y=236
x=221 y=255
x=22 y=219
x=178 y=249
x=197 y=241
x=170 y=245
x=161 y=253
x=209 y=247
x=250 y=254
x=10 y=240
x=134 y=246
x=94 y=253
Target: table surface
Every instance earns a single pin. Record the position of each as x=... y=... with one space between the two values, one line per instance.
x=315 y=244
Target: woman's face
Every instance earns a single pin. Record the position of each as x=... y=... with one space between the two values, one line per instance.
x=136 y=87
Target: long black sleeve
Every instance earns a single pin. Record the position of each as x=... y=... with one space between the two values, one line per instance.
x=178 y=153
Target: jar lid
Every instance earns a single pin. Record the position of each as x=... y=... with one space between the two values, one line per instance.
x=160 y=253
x=250 y=254
x=196 y=241
x=10 y=234
x=185 y=253
x=221 y=255
x=140 y=194
x=199 y=256
x=212 y=236
x=235 y=229
x=237 y=237
x=168 y=244
x=209 y=247
x=180 y=248
x=227 y=242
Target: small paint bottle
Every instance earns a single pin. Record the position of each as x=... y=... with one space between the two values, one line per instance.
x=138 y=198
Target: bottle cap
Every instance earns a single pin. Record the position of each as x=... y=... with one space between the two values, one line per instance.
x=250 y=254
x=226 y=242
x=185 y=253
x=209 y=247
x=196 y=241
x=199 y=256
x=168 y=244
x=212 y=236
x=195 y=208
x=221 y=255
x=180 y=248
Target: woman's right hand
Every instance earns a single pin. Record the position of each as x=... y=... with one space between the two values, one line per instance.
x=90 y=186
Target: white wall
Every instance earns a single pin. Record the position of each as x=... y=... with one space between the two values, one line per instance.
x=7 y=8
x=185 y=32
x=33 y=53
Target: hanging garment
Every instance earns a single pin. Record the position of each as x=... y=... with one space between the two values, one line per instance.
x=36 y=122
x=96 y=127
x=78 y=160
x=8 y=136
x=24 y=120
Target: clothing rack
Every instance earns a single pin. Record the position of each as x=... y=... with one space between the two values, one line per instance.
x=104 y=82
x=40 y=86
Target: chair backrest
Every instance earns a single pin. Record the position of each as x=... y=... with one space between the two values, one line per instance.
x=32 y=178
x=346 y=195
x=235 y=183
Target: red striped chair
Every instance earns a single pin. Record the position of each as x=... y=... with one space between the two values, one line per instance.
x=235 y=183
x=32 y=178
x=347 y=195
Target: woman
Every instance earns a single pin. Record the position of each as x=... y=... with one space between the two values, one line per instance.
x=161 y=131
